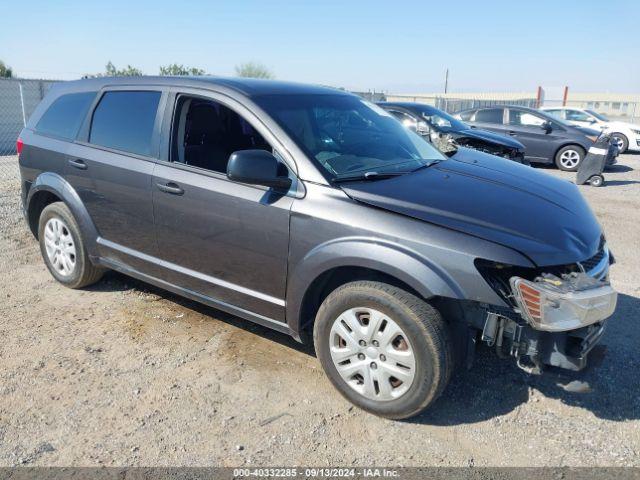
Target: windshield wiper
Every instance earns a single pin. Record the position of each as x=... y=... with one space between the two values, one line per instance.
x=427 y=165
x=373 y=175
x=368 y=176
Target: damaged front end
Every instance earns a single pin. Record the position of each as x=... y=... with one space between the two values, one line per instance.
x=556 y=315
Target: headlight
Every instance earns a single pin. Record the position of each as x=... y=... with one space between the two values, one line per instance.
x=556 y=305
x=592 y=137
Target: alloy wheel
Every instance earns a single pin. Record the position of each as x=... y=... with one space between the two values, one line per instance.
x=619 y=142
x=61 y=249
x=570 y=159
x=372 y=354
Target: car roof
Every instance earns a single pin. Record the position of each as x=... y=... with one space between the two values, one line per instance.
x=562 y=108
x=423 y=107
x=250 y=87
x=510 y=107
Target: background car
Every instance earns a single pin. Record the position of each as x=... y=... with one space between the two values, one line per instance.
x=447 y=132
x=546 y=138
x=625 y=135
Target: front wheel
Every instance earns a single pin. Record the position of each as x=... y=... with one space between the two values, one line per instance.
x=384 y=349
x=569 y=158
x=621 y=141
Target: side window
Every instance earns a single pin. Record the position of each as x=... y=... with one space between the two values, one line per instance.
x=577 y=116
x=490 y=115
x=556 y=113
x=205 y=133
x=65 y=115
x=466 y=116
x=124 y=120
x=405 y=119
x=524 y=119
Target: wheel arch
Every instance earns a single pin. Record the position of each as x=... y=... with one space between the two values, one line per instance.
x=569 y=143
x=336 y=263
x=49 y=188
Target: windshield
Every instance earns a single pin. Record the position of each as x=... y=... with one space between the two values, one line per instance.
x=346 y=135
x=442 y=121
x=599 y=116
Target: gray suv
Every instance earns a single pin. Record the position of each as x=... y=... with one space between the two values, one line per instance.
x=315 y=213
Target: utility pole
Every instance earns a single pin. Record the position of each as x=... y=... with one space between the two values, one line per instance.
x=446 y=81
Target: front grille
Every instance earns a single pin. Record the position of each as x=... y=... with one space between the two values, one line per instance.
x=593 y=261
x=598 y=265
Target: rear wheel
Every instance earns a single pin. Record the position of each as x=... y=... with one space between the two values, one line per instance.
x=569 y=158
x=384 y=349
x=621 y=141
x=63 y=248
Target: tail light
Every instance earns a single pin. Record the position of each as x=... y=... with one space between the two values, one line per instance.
x=19 y=145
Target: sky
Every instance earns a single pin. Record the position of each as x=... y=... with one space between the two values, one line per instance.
x=401 y=46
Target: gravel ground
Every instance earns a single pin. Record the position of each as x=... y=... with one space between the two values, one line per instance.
x=125 y=374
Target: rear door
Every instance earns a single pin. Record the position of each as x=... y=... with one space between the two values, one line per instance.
x=526 y=127
x=221 y=239
x=111 y=166
x=489 y=119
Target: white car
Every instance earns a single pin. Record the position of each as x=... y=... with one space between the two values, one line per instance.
x=625 y=135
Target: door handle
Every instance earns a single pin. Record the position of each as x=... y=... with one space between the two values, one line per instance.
x=170 y=187
x=512 y=133
x=77 y=163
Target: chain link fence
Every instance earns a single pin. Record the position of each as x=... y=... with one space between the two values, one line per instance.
x=18 y=99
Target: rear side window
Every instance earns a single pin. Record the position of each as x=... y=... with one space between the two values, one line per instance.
x=466 y=115
x=490 y=115
x=124 y=121
x=65 y=115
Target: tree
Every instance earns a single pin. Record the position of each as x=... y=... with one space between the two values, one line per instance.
x=253 y=70
x=181 y=70
x=5 y=70
x=128 y=71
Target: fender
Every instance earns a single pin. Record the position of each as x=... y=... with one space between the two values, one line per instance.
x=425 y=277
x=55 y=184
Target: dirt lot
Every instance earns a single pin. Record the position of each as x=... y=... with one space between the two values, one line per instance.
x=124 y=374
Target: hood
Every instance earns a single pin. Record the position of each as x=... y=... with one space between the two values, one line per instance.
x=489 y=137
x=613 y=125
x=543 y=217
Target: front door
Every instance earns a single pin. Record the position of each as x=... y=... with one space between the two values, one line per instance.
x=226 y=241
x=540 y=143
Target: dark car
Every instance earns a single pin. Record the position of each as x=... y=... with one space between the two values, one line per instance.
x=315 y=213
x=546 y=138
x=447 y=133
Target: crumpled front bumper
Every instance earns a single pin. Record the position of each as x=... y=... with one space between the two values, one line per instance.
x=567 y=350
x=535 y=343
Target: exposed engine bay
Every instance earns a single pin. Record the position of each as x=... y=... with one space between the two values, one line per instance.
x=449 y=144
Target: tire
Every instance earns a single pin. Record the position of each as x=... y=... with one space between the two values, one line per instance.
x=421 y=350
x=621 y=140
x=67 y=260
x=569 y=158
x=596 y=181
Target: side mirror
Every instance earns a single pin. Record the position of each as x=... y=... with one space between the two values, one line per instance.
x=593 y=120
x=546 y=126
x=257 y=167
